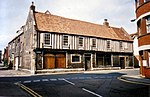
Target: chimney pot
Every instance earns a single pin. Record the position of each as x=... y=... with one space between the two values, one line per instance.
x=32 y=7
x=106 y=23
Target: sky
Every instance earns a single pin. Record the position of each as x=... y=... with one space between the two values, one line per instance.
x=13 y=13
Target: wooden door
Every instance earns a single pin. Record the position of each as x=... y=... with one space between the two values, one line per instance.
x=60 y=61
x=49 y=61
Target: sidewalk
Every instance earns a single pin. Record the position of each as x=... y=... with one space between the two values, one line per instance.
x=5 y=72
x=138 y=79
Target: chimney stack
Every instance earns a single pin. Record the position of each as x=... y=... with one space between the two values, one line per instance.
x=106 y=23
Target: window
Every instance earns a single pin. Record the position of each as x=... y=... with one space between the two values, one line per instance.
x=81 y=41
x=65 y=40
x=146 y=0
x=137 y=3
x=93 y=42
x=76 y=58
x=108 y=44
x=148 y=24
x=47 y=39
x=121 y=46
x=126 y=45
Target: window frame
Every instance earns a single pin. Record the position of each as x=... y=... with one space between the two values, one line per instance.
x=65 y=44
x=108 y=45
x=121 y=45
x=50 y=38
x=94 y=44
x=148 y=24
x=76 y=55
x=79 y=42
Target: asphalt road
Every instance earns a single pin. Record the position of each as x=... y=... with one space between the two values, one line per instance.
x=93 y=84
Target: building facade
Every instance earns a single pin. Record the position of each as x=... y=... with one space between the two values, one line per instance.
x=52 y=42
x=135 y=50
x=0 y=56
x=143 y=29
x=5 y=56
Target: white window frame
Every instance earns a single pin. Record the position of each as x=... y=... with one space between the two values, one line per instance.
x=80 y=41
x=108 y=41
x=76 y=55
x=146 y=0
x=94 y=45
x=50 y=36
x=65 y=44
x=121 y=45
x=138 y=3
x=126 y=45
x=148 y=24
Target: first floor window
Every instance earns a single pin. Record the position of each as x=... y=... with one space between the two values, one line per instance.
x=65 y=40
x=148 y=24
x=146 y=0
x=121 y=45
x=47 y=39
x=108 y=44
x=93 y=42
x=81 y=41
x=76 y=58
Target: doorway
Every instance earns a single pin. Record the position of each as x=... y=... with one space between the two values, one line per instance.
x=87 y=63
x=122 y=62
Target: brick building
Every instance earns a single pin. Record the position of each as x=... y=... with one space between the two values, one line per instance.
x=143 y=29
x=49 y=41
x=5 y=56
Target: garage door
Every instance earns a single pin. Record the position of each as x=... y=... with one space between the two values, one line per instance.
x=49 y=61
x=60 y=61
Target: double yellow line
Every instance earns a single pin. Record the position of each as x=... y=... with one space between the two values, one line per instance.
x=30 y=91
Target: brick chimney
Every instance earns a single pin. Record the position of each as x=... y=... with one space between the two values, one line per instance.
x=106 y=23
x=32 y=7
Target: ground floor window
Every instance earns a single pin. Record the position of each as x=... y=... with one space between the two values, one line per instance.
x=75 y=58
x=103 y=60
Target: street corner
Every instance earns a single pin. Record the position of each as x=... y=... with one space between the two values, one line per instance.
x=135 y=80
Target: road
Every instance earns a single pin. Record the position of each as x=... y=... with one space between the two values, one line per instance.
x=89 y=84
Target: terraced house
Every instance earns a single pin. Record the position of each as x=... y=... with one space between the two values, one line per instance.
x=53 y=42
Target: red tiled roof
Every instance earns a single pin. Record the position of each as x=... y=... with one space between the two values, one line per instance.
x=53 y=23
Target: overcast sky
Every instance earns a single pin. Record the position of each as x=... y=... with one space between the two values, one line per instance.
x=13 y=13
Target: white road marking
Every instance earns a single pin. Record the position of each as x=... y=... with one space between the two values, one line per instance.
x=96 y=77
x=88 y=77
x=81 y=77
x=53 y=79
x=29 y=81
x=60 y=78
x=67 y=78
x=69 y=82
x=74 y=78
x=102 y=77
x=109 y=77
x=44 y=80
x=36 y=80
x=91 y=92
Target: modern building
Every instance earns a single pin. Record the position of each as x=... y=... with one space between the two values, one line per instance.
x=49 y=41
x=143 y=29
